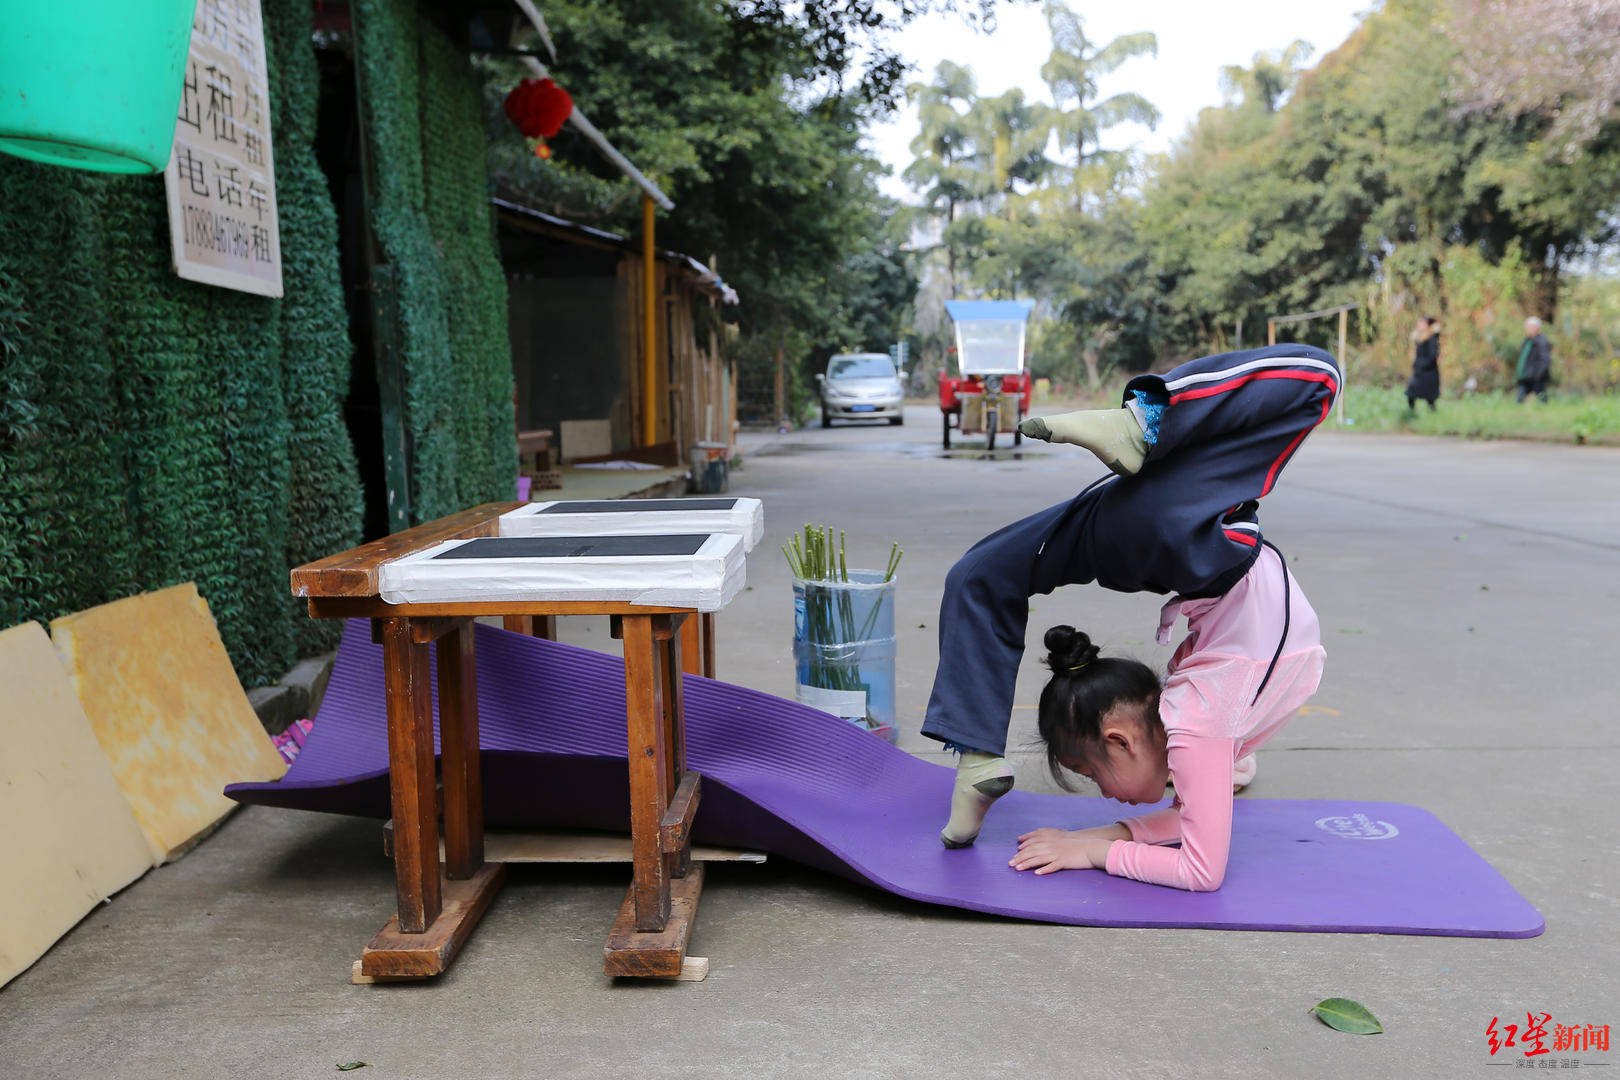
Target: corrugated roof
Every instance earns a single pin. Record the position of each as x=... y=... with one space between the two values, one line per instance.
x=988 y=310
x=706 y=279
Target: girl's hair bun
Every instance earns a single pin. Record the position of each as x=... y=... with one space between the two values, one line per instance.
x=1068 y=648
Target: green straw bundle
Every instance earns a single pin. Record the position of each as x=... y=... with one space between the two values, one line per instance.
x=830 y=618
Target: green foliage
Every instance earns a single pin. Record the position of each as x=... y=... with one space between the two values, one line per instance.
x=1364 y=179
x=433 y=225
x=153 y=430
x=1018 y=222
x=323 y=503
x=1342 y=1014
x=1592 y=419
x=737 y=112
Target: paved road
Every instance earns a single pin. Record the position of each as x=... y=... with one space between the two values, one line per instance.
x=1468 y=593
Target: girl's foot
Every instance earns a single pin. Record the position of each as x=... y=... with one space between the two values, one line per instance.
x=981 y=779
x=1114 y=435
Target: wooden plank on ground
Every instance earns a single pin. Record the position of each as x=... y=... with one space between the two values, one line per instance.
x=573 y=846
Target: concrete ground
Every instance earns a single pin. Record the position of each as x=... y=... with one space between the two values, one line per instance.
x=1468 y=594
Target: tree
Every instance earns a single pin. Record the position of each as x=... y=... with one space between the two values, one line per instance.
x=944 y=148
x=1071 y=73
x=749 y=115
x=1554 y=59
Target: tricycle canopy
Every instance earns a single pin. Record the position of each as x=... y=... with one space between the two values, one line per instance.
x=989 y=335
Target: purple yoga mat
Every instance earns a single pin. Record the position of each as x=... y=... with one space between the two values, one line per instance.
x=787 y=779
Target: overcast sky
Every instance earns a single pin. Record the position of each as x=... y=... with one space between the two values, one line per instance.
x=1196 y=39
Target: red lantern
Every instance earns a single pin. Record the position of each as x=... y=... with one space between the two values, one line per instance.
x=538 y=107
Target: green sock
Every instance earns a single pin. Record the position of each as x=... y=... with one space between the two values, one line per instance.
x=981 y=779
x=1114 y=435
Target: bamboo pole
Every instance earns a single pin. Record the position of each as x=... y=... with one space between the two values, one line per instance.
x=1271 y=331
x=649 y=327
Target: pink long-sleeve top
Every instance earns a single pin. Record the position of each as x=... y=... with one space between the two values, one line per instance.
x=1212 y=719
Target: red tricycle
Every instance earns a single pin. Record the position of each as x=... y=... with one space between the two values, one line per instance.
x=991 y=392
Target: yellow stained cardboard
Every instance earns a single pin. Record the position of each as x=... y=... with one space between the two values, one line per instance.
x=167 y=708
x=69 y=839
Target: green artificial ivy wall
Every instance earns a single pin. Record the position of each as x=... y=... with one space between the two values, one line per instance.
x=153 y=430
x=435 y=229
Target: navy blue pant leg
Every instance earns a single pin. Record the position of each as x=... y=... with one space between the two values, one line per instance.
x=1187 y=523
x=983 y=615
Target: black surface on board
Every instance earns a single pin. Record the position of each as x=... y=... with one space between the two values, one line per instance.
x=568 y=547
x=636 y=506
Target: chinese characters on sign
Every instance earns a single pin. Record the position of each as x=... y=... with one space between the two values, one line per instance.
x=221 y=179
x=1539 y=1036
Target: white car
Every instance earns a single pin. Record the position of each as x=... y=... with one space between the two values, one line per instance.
x=861 y=386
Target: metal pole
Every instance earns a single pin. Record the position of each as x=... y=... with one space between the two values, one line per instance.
x=1240 y=334
x=649 y=328
x=781 y=411
x=1344 y=362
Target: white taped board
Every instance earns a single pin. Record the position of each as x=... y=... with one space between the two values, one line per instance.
x=844 y=704
x=703 y=572
x=733 y=515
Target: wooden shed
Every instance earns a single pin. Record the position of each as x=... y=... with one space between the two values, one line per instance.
x=577 y=328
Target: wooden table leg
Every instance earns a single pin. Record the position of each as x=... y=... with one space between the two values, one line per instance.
x=649 y=771
x=410 y=776
x=706 y=621
x=540 y=626
x=654 y=927
x=458 y=748
x=435 y=916
x=689 y=647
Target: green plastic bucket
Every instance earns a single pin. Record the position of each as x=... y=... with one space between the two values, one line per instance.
x=92 y=84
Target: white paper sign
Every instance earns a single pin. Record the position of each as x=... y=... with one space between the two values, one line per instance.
x=221 y=175
x=844 y=704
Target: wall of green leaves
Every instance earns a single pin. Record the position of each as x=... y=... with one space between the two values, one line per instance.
x=154 y=430
x=433 y=221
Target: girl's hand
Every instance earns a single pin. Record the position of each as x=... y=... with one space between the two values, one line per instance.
x=1065 y=852
x=1096 y=832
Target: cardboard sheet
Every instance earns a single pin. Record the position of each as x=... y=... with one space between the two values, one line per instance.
x=69 y=839
x=167 y=708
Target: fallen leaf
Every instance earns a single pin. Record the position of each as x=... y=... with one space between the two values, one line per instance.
x=1484 y=588
x=1348 y=630
x=350 y=1066
x=1132 y=641
x=922 y=626
x=1342 y=1014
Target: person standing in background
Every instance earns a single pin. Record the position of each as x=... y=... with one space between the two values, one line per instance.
x=1425 y=382
x=1535 y=361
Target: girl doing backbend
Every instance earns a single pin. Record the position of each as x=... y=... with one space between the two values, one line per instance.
x=1193 y=453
